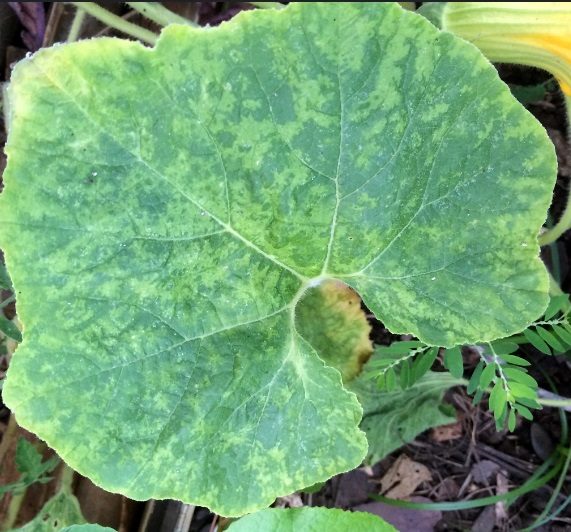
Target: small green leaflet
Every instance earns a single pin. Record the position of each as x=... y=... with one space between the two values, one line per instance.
x=5 y=281
x=10 y=329
x=453 y=362
x=165 y=210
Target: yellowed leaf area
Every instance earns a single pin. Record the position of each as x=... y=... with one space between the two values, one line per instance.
x=331 y=319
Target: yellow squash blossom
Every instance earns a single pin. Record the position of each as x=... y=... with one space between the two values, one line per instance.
x=528 y=33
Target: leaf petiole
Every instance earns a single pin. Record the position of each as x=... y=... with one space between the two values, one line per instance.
x=116 y=22
x=158 y=13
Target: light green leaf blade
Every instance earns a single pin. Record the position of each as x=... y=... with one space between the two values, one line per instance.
x=178 y=202
x=393 y=419
x=61 y=511
x=310 y=519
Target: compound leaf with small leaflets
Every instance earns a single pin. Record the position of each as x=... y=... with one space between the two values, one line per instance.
x=165 y=210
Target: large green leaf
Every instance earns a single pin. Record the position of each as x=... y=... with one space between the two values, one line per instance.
x=166 y=209
x=309 y=520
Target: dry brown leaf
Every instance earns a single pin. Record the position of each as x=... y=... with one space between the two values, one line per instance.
x=451 y=431
x=289 y=501
x=402 y=479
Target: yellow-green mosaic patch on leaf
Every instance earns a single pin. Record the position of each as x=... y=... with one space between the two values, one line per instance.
x=330 y=318
x=165 y=210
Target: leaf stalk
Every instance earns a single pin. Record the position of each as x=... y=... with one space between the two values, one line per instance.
x=117 y=22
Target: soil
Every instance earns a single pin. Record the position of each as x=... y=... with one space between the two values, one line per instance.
x=467 y=459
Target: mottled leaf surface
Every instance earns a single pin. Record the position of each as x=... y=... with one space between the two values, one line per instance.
x=61 y=511
x=391 y=419
x=165 y=210
x=310 y=520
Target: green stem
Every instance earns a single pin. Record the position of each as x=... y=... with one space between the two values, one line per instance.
x=14 y=507
x=66 y=479
x=557 y=403
x=557 y=489
x=555 y=289
x=158 y=13
x=267 y=5
x=76 y=25
x=117 y=22
x=564 y=222
x=8 y=436
x=13 y=510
